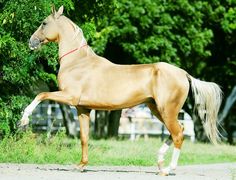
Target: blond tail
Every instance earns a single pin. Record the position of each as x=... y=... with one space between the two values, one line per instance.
x=208 y=97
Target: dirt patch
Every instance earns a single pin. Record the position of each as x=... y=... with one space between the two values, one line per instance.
x=60 y=172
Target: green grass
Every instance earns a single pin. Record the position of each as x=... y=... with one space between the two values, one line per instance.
x=59 y=149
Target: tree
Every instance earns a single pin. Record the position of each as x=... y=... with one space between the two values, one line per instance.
x=20 y=69
x=227 y=116
x=198 y=36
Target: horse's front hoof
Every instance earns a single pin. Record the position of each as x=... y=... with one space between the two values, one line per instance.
x=23 y=123
x=22 y=126
x=80 y=167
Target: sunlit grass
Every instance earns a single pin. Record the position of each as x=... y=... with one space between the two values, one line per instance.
x=59 y=149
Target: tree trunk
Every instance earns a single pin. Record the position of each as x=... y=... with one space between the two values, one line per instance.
x=100 y=129
x=199 y=129
x=113 y=123
x=226 y=117
x=69 y=121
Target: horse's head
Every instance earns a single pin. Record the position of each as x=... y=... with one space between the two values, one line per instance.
x=48 y=31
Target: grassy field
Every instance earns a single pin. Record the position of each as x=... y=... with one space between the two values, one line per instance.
x=59 y=149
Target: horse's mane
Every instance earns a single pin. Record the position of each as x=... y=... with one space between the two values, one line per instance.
x=77 y=29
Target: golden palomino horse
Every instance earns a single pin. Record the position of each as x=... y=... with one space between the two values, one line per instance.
x=88 y=81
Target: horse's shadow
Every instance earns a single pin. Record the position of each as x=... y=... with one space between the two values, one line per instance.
x=102 y=170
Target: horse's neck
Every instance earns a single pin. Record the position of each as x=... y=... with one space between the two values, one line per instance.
x=66 y=45
x=90 y=51
x=78 y=52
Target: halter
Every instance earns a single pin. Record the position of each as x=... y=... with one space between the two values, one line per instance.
x=82 y=44
x=72 y=51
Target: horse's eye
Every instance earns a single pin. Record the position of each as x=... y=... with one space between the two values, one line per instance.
x=44 y=23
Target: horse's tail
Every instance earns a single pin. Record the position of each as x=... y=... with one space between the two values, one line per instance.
x=208 y=97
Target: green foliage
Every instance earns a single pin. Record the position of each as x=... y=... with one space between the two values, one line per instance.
x=229 y=21
x=10 y=113
x=20 y=69
x=186 y=33
x=153 y=31
x=220 y=18
x=199 y=36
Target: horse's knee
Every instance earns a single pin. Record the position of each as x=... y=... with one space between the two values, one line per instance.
x=42 y=96
x=84 y=140
x=73 y=101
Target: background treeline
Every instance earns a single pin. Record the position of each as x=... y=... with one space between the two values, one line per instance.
x=198 y=36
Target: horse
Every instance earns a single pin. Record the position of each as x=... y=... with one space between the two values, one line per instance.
x=88 y=81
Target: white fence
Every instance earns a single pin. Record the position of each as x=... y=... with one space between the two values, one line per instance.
x=135 y=127
x=48 y=117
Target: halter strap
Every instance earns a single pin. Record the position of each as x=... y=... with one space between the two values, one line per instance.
x=72 y=51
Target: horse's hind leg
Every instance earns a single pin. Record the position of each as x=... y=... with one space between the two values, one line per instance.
x=165 y=147
x=169 y=113
x=176 y=131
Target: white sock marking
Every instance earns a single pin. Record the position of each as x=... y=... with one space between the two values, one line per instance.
x=162 y=151
x=174 y=161
x=175 y=158
x=28 y=111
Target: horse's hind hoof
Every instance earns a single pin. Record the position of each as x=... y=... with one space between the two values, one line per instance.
x=163 y=174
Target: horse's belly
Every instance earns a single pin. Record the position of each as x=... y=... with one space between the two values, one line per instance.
x=113 y=99
x=111 y=105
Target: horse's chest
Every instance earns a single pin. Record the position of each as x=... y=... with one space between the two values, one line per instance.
x=68 y=81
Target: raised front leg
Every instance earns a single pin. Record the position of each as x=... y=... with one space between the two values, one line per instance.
x=58 y=96
x=84 y=119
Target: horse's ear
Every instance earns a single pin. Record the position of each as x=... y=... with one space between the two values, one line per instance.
x=53 y=9
x=59 y=12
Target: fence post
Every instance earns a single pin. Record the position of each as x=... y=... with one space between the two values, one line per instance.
x=132 y=130
x=49 y=119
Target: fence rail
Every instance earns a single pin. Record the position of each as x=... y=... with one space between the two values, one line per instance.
x=48 y=117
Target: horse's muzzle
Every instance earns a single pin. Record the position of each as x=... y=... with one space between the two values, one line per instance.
x=34 y=43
